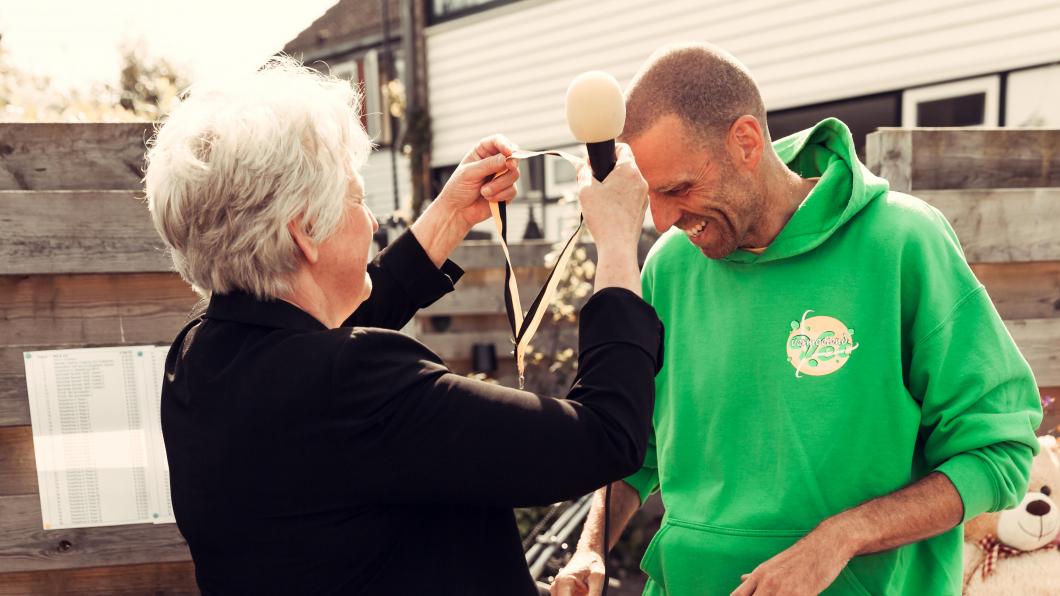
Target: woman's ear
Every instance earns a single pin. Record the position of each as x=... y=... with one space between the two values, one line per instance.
x=303 y=241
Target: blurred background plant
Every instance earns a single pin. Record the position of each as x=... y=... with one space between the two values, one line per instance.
x=146 y=88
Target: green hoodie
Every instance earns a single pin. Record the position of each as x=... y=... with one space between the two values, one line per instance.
x=855 y=355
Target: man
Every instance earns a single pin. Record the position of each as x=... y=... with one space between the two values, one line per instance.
x=839 y=393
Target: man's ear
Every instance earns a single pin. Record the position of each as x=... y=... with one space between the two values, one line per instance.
x=303 y=241
x=746 y=141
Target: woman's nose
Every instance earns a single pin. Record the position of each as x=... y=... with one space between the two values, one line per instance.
x=375 y=222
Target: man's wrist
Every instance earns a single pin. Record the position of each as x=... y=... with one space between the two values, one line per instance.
x=592 y=544
x=592 y=537
x=845 y=533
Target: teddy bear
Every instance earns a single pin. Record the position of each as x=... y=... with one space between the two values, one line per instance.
x=1014 y=552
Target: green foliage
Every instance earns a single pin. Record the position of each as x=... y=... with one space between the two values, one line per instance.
x=148 y=86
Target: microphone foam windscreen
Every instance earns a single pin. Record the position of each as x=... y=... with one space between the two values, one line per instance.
x=596 y=110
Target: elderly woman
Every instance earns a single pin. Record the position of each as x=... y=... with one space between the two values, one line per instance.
x=312 y=447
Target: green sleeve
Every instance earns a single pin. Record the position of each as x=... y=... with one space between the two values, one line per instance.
x=980 y=405
x=646 y=480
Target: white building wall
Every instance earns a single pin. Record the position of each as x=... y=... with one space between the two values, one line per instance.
x=507 y=69
x=379 y=183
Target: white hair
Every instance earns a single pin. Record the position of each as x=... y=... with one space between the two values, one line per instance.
x=239 y=159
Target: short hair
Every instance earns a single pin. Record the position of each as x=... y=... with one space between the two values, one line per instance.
x=702 y=84
x=240 y=158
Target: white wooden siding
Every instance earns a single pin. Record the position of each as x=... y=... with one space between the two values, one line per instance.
x=379 y=183
x=507 y=69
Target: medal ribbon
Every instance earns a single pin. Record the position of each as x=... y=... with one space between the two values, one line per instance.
x=524 y=326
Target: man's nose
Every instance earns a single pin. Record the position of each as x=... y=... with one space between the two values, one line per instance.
x=663 y=215
x=375 y=222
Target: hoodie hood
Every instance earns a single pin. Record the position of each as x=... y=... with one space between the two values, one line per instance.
x=845 y=188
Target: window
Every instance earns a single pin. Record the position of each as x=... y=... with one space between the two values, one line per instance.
x=531 y=178
x=560 y=177
x=439 y=177
x=972 y=102
x=444 y=10
x=366 y=72
x=1032 y=97
x=861 y=114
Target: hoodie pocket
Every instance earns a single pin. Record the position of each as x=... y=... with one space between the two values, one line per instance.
x=693 y=558
x=846 y=576
x=649 y=564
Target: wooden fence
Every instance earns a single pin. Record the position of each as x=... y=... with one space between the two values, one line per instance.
x=81 y=266
x=1000 y=189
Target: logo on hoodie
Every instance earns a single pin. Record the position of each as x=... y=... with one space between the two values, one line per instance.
x=819 y=346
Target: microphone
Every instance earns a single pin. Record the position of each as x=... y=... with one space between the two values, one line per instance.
x=596 y=113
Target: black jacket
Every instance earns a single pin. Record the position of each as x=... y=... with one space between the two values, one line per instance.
x=307 y=460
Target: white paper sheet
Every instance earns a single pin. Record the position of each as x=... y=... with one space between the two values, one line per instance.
x=97 y=436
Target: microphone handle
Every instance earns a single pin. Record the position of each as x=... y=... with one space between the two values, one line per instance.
x=601 y=158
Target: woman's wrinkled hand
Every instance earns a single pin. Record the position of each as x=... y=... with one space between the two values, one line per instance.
x=487 y=173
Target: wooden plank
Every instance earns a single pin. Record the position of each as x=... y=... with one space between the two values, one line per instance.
x=24 y=546
x=1022 y=290
x=158 y=579
x=1002 y=225
x=465 y=324
x=18 y=467
x=486 y=298
x=62 y=311
x=111 y=231
x=457 y=346
x=946 y=158
x=93 y=309
x=53 y=156
x=485 y=254
x=78 y=232
x=1039 y=340
x=887 y=152
x=14 y=402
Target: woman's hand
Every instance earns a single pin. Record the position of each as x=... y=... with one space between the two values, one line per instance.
x=464 y=201
x=474 y=183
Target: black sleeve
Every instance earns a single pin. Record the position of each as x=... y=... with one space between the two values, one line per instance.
x=404 y=280
x=418 y=432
